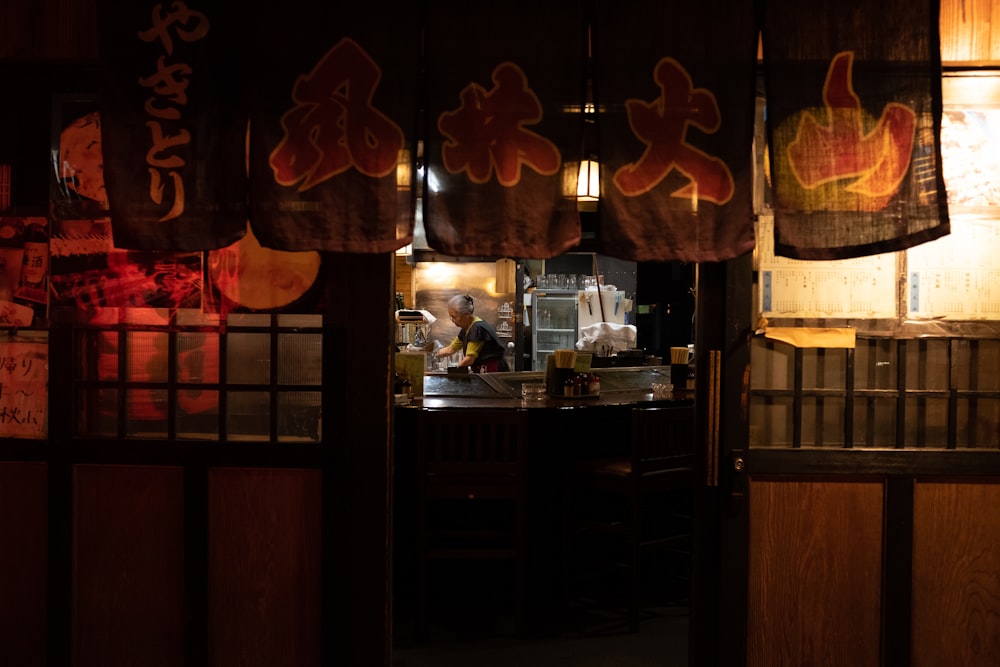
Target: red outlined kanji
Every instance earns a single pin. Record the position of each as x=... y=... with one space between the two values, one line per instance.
x=187 y=24
x=333 y=125
x=662 y=125
x=487 y=132
x=841 y=149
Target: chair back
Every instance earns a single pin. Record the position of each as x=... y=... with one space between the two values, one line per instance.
x=471 y=453
x=662 y=439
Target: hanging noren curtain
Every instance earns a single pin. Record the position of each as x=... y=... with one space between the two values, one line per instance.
x=505 y=90
x=173 y=125
x=674 y=88
x=853 y=120
x=333 y=108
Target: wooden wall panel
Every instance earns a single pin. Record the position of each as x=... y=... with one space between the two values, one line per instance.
x=264 y=581
x=970 y=31
x=956 y=574
x=814 y=573
x=23 y=563
x=128 y=566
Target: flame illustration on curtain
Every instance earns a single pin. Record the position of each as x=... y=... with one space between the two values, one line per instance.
x=674 y=88
x=840 y=146
x=854 y=114
x=505 y=93
x=333 y=109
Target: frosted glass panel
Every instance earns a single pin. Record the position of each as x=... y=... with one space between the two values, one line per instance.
x=977 y=423
x=926 y=422
x=300 y=358
x=98 y=414
x=198 y=357
x=98 y=354
x=875 y=364
x=147 y=412
x=824 y=369
x=771 y=422
x=248 y=320
x=248 y=358
x=195 y=317
x=248 y=416
x=300 y=320
x=152 y=316
x=106 y=355
x=299 y=416
x=822 y=422
x=875 y=422
x=927 y=364
x=771 y=367
x=147 y=356
x=197 y=414
x=977 y=363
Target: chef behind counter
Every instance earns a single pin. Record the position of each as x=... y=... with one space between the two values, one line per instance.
x=477 y=341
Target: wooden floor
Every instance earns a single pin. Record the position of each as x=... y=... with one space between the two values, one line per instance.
x=600 y=640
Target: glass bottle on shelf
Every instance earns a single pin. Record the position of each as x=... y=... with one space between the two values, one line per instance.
x=32 y=289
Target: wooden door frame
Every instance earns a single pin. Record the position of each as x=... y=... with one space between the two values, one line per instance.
x=352 y=456
x=723 y=307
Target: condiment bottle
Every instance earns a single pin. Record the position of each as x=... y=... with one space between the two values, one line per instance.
x=594 y=384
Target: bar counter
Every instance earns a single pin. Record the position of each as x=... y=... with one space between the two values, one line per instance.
x=624 y=386
x=560 y=432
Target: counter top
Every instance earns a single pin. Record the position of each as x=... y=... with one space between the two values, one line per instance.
x=549 y=402
x=619 y=386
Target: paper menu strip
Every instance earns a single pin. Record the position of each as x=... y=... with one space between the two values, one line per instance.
x=869 y=293
x=957 y=276
x=861 y=287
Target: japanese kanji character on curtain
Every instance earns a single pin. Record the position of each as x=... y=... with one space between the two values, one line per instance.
x=173 y=124
x=334 y=107
x=505 y=91
x=674 y=88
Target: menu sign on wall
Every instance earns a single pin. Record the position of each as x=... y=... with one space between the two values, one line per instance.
x=24 y=394
x=955 y=277
x=862 y=287
x=958 y=276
